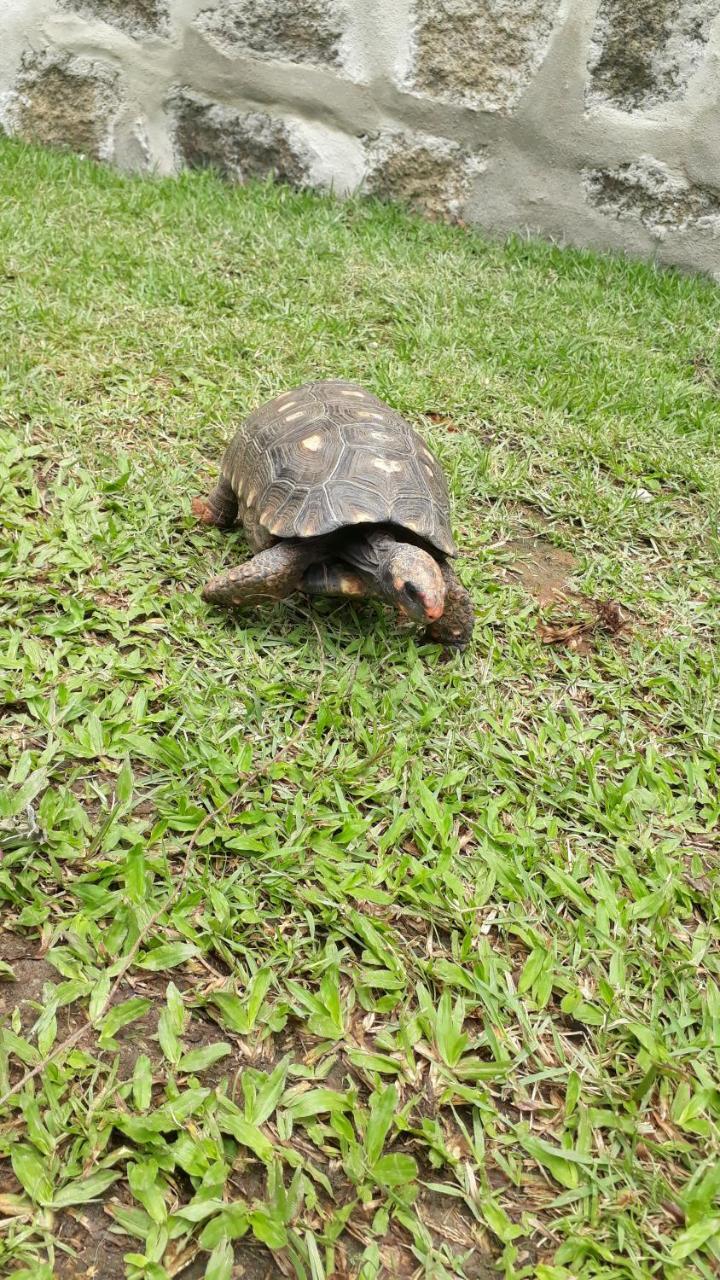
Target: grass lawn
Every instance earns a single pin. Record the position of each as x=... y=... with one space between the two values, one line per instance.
x=322 y=955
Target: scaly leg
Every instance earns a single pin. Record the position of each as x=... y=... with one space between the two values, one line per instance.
x=220 y=507
x=270 y=575
x=455 y=627
x=333 y=579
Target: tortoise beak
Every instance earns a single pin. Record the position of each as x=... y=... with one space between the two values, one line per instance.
x=433 y=612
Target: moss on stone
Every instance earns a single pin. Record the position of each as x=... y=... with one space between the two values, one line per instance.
x=645 y=50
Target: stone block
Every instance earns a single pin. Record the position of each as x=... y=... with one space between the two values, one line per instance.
x=289 y=30
x=644 y=51
x=427 y=173
x=479 y=53
x=65 y=102
x=654 y=195
x=136 y=17
x=239 y=144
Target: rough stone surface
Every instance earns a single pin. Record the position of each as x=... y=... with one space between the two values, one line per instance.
x=65 y=104
x=290 y=30
x=594 y=122
x=644 y=51
x=429 y=174
x=137 y=17
x=481 y=53
x=240 y=145
x=132 y=148
x=651 y=193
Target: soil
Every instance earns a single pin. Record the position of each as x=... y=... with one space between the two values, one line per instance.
x=568 y=618
x=542 y=569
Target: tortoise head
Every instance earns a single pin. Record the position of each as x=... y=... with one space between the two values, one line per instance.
x=414 y=582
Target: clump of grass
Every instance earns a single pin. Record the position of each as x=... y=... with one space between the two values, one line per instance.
x=414 y=963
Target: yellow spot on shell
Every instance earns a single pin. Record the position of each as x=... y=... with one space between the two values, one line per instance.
x=428 y=469
x=386 y=464
x=250 y=498
x=291 y=417
x=313 y=443
x=360 y=394
x=379 y=417
x=351 y=587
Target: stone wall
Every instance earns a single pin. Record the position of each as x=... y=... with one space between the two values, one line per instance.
x=595 y=122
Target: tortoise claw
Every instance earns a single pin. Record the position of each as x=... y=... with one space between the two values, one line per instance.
x=201 y=508
x=455 y=643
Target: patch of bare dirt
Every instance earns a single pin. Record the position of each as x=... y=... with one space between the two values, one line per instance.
x=568 y=618
x=98 y=1251
x=96 y=1245
x=31 y=974
x=32 y=971
x=451 y=1224
x=95 y=1252
x=541 y=568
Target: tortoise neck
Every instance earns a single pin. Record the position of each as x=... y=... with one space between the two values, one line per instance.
x=382 y=539
x=370 y=551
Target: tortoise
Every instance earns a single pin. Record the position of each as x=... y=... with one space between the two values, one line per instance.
x=338 y=496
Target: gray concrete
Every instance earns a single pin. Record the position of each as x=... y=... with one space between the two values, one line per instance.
x=594 y=122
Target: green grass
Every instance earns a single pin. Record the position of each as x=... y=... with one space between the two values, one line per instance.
x=395 y=965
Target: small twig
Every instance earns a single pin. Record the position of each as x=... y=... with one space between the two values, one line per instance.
x=173 y=896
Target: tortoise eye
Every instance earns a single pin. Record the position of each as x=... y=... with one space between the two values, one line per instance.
x=411 y=591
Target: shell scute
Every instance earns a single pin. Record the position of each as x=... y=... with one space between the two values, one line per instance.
x=329 y=455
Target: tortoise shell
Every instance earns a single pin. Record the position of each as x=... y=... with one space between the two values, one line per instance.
x=329 y=455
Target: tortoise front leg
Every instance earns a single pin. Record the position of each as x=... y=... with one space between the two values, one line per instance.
x=220 y=507
x=270 y=575
x=333 y=579
x=455 y=627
